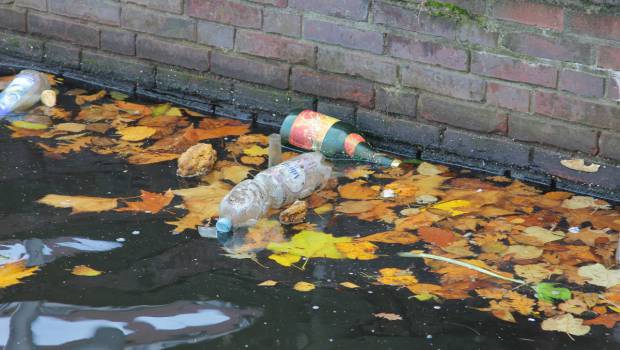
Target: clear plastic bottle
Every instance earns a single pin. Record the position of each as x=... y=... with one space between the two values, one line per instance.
x=275 y=187
x=23 y=92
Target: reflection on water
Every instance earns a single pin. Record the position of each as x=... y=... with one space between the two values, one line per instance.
x=38 y=252
x=43 y=325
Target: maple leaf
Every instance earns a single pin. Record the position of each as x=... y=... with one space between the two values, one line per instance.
x=151 y=202
x=216 y=133
x=75 y=145
x=522 y=252
x=534 y=273
x=566 y=323
x=369 y=210
x=13 y=272
x=361 y=171
x=591 y=237
x=255 y=151
x=233 y=173
x=144 y=158
x=310 y=244
x=82 y=99
x=80 y=204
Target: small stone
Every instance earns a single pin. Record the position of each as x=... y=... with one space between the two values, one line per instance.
x=48 y=98
x=197 y=160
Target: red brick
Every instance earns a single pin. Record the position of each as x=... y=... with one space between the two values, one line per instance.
x=576 y=110
x=276 y=3
x=174 y=6
x=444 y=82
x=363 y=65
x=227 y=12
x=177 y=54
x=14 y=19
x=582 y=83
x=63 y=29
x=600 y=26
x=512 y=69
x=158 y=23
x=276 y=21
x=255 y=71
x=462 y=115
x=337 y=34
x=273 y=46
x=33 y=4
x=427 y=52
x=413 y=20
x=530 y=13
x=610 y=145
x=472 y=32
x=351 y=9
x=609 y=57
x=546 y=47
x=510 y=97
x=553 y=133
x=100 y=11
x=332 y=86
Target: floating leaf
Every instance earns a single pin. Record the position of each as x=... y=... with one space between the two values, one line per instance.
x=28 y=125
x=82 y=99
x=80 y=204
x=137 y=133
x=13 y=272
x=437 y=236
x=268 y=283
x=543 y=235
x=349 y=285
x=151 y=202
x=566 y=323
x=256 y=151
x=607 y=320
x=598 y=275
x=430 y=169
x=311 y=244
x=70 y=127
x=388 y=316
x=549 y=292
x=580 y=202
x=304 y=286
x=358 y=190
x=202 y=203
x=358 y=250
x=83 y=270
x=119 y=96
x=398 y=237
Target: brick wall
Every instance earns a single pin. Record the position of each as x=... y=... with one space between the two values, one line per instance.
x=509 y=81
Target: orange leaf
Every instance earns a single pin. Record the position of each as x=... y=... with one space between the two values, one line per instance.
x=150 y=202
x=358 y=190
x=607 y=320
x=133 y=108
x=399 y=237
x=151 y=158
x=358 y=250
x=12 y=273
x=437 y=236
x=204 y=134
x=82 y=99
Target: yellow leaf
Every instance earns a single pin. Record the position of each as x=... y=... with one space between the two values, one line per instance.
x=151 y=158
x=324 y=209
x=304 y=286
x=233 y=173
x=399 y=237
x=79 y=204
x=256 y=151
x=83 y=270
x=358 y=250
x=150 y=202
x=137 y=133
x=12 y=273
x=285 y=259
x=267 y=283
x=70 y=127
x=311 y=244
x=28 y=125
x=202 y=203
x=362 y=171
x=566 y=323
x=452 y=206
x=396 y=277
x=350 y=285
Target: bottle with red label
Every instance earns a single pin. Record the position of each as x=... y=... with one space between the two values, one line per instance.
x=315 y=131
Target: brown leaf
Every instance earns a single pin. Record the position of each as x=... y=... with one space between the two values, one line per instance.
x=607 y=320
x=82 y=99
x=358 y=190
x=397 y=237
x=437 y=236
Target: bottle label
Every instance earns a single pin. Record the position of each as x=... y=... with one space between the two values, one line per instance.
x=309 y=130
x=351 y=142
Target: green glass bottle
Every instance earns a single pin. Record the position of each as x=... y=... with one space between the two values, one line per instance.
x=315 y=131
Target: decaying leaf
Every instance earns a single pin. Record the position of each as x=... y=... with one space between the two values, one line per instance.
x=580 y=202
x=80 y=204
x=566 y=323
x=580 y=165
x=83 y=270
x=398 y=237
x=82 y=99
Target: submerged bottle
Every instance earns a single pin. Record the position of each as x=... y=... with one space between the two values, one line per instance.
x=273 y=188
x=315 y=131
x=23 y=92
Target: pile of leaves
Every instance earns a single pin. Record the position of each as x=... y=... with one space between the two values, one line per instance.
x=511 y=249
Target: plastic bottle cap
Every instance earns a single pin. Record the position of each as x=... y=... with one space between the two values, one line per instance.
x=223 y=225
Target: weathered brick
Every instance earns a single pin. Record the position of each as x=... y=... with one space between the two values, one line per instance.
x=115 y=67
x=273 y=46
x=443 y=82
x=530 y=13
x=193 y=83
x=272 y=74
x=365 y=66
x=473 y=33
x=332 y=86
x=21 y=46
x=548 y=161
x=215 y=34
x=33 y=4
x=473 y=7
x=276 y=3
x=582 y=83
x=63 y=29
x=342 y=111
x=501 y=150
x=276 y=21
x=602 y=26
x=560 y=49
x=336 y=34
x=462 y=115
x=576 y=110
x=174 y=6
x=510 y=97
x=269 y=100
x=118 y=41
x=413 y=20
x=553 y=133
x=613 y=87
x=351 y=9
x=400 y=130
x=512 y=69
x=224 y=11
x=399 y=101
x=13 y=19
x=100 y=11
x=62 y=54
x=187 y=56
x=160 y=24
x=427 y=52
x=609 y=57
x=609 y=145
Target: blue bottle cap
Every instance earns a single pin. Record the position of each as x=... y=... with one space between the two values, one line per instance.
x=223 y=225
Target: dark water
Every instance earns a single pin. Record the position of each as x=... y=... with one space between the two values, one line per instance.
x=178 y=291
